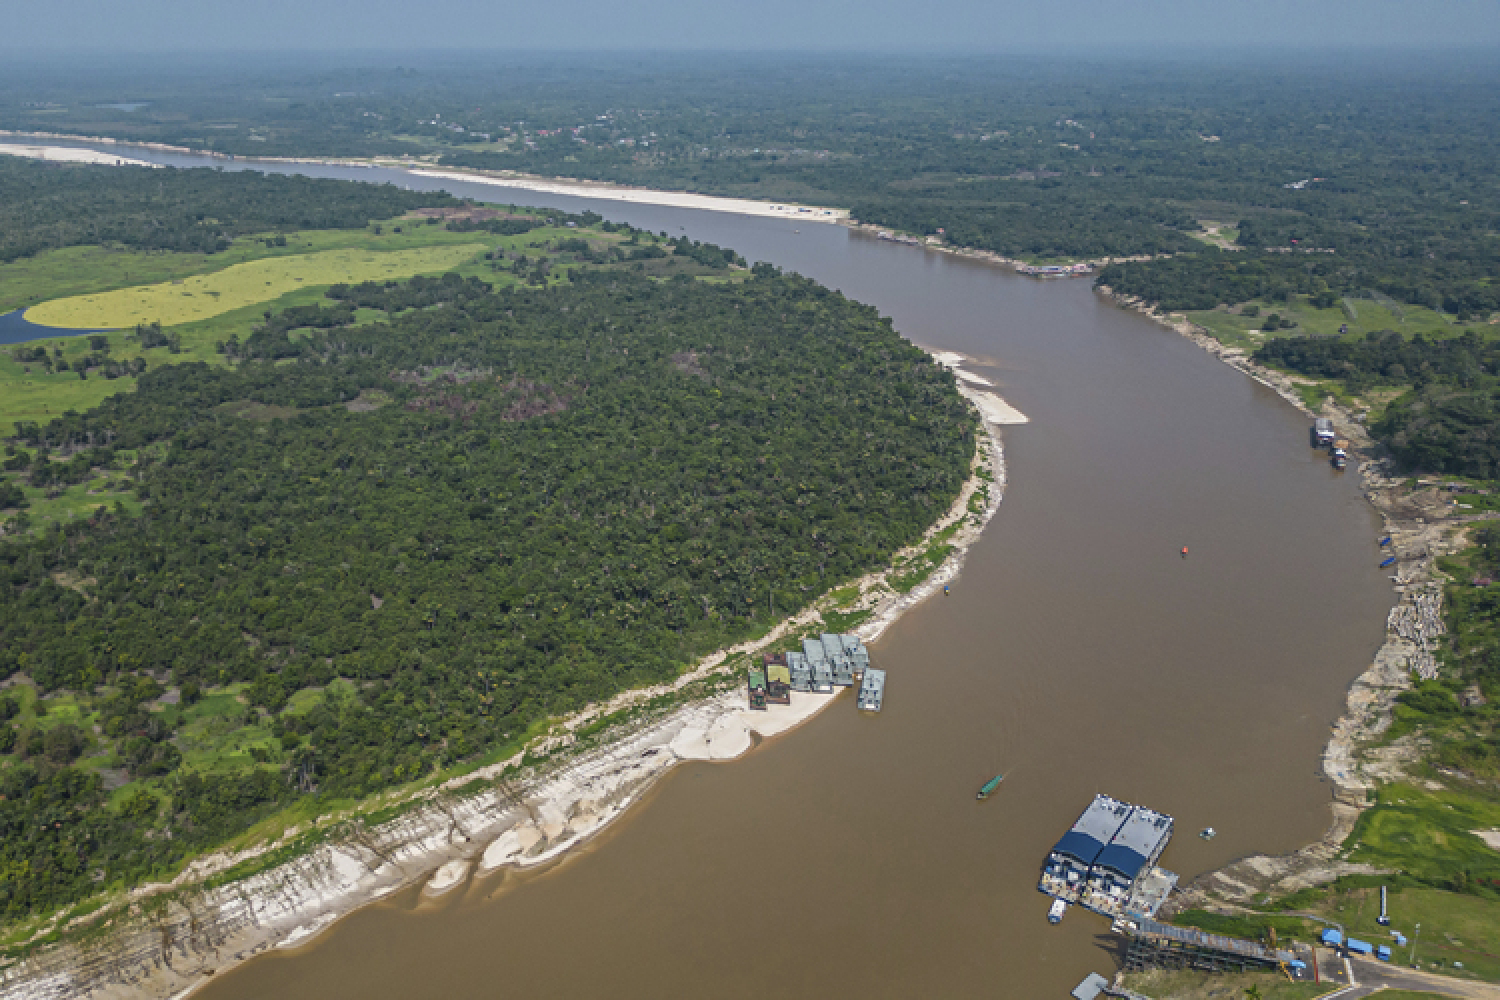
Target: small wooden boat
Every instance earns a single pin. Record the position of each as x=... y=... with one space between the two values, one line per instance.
x=990 y=786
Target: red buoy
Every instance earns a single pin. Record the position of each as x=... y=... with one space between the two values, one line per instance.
x=1184 y=551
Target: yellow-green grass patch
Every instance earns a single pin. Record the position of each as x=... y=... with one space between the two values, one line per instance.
x=1360 y=315
x=69 y=271
x=79 y=500
x=201 y=297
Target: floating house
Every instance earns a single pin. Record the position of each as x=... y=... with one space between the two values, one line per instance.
x=817 y=659
x=854 y=647
x=1128 y=858
x=839 y=660
x=1066 y=871
x=756 y=684
x=1322 y=432
x=801 y=671
x=872 y=690
x=778 y=680
x=822 y=677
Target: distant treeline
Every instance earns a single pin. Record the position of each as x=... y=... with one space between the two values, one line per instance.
x=1388 y=166
x=44 y=206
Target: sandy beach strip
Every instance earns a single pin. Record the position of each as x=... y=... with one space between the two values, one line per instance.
x=993 y=407
x=638 y=196
x=69 y=154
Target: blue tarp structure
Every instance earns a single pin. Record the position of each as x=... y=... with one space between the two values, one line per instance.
x=1383 y=953
x=1297 y=964
x=1360 y=947
x=1331 y=937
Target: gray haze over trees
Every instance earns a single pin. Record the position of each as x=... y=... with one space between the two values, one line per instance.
x=768 y=25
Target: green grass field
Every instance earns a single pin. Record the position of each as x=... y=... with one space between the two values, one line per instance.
x=1427 y=833
x=88 y=270
x=1455 y=927
x=1188 y=984
x=1362 y=315
x=309 y=256
x=202 y=296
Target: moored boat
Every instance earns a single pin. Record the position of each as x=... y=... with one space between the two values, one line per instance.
x=1056 y=911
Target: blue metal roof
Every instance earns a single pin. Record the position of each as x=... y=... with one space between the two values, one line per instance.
x=1099 y=822
x=1080 y=846
x=1119 y=858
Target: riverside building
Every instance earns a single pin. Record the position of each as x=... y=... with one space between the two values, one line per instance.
x=1067 y=869
x=1107 y=860
x=1126 y=860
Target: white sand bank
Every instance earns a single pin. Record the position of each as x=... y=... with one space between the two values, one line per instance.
x=995 y=409
x=67 y=154
x=971 y=378
x=642 y=196
x=451 y=874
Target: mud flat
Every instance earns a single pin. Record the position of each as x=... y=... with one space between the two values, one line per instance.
x=1422 y=528
x=530 y=810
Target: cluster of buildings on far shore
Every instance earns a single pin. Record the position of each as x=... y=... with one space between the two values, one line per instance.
x=824 y=663
x=1046 y=269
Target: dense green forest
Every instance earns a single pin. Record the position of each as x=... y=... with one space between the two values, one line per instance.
x=410 y=539
x=1447 y=419
x=45 y=206
x=1387 y=167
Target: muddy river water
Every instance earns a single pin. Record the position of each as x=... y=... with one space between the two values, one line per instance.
x=1078 y=653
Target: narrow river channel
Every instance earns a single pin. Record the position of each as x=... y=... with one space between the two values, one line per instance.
x=1078 y=653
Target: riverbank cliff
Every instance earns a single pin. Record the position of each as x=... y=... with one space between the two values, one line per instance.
x=166 y=940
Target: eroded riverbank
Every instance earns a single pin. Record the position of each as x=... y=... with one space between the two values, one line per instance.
x=1422 y=527
x=524 y=812
x=1079 y=654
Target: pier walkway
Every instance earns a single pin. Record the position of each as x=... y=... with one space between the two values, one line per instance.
x=1157 y=945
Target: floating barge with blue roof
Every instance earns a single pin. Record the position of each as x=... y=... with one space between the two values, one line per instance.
x=1106 y=862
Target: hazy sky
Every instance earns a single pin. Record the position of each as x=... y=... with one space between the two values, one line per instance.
x=896 y=25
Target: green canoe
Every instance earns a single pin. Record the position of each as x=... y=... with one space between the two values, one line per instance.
x=990 y=786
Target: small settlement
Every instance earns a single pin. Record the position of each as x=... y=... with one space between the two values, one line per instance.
x=824 y=663
x=1106 y=861
x=1046 y=270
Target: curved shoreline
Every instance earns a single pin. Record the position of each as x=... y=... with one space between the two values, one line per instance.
x=1349 y=767
x=168 y=940
x=1350 y=761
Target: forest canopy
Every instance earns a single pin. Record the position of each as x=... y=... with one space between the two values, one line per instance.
x=199 y=210
x=494 y=507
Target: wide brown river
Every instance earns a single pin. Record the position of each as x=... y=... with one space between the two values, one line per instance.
x=1078 y=653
